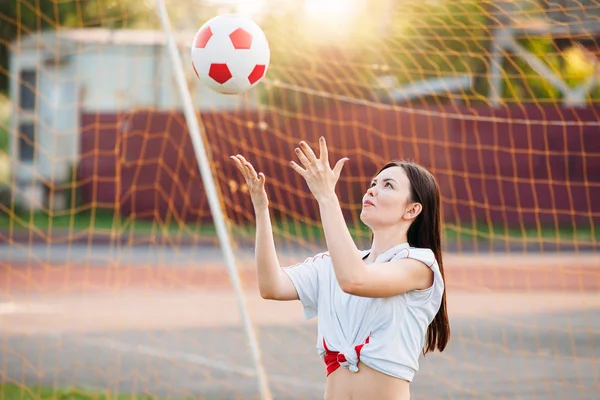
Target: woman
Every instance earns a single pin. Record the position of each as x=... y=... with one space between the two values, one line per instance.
x=377 y=309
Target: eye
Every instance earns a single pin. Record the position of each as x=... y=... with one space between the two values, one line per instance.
x=372 y=184
x=388 y=185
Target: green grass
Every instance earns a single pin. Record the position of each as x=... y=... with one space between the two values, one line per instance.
x=582 y=234
x=103 y=221
x=10 y=391
x=99 y=221
x=4 y=123
x=4 y=139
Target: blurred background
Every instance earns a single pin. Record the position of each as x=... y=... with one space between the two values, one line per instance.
x=112 y=281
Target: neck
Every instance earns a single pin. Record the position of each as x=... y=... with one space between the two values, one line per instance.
x=385 y=239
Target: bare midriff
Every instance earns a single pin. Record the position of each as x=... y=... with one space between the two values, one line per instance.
x=366 y=384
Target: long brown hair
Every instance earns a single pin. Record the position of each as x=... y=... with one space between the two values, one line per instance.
x=426 y=232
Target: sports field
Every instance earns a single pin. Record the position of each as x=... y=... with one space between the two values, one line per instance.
x=115 y=114
x=164 y=322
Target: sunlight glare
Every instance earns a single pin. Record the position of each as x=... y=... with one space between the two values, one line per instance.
x=338 y=11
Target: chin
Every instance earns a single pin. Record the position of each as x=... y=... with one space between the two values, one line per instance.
x=375 y=222
x=362 y=218
x=367 y=221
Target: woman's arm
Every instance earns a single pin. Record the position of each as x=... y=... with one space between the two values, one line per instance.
x=380 y=280
x=273 y=283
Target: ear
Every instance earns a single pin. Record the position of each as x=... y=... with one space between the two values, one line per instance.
x=413 y=210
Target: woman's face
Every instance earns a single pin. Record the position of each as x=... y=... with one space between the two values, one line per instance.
x=387 y=200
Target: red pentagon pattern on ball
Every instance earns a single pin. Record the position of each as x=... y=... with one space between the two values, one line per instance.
x=241 y=39
x=220 y=73
x=256 y=74
x=203 y=37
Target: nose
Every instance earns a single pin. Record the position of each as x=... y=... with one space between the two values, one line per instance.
x=372 y=191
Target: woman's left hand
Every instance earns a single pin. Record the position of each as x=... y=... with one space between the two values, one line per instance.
x=317 y=172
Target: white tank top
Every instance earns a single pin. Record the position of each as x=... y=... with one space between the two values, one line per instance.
x=395 y=326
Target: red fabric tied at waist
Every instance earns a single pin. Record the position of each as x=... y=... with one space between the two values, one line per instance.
x=334 y=359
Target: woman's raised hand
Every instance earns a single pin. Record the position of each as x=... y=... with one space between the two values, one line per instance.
x=317 y=171
x=254 y=181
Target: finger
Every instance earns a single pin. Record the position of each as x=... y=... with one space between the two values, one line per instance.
x=246 y=168
x=302 y=157
x=298 y=168
x=250 y=169
x=323 y=153
x=261 y=178
x=239 y=165
x=310 y=154
x=338 y=167
x=241 y=158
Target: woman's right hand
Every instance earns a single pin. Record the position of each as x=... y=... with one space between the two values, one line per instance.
x=254 y=181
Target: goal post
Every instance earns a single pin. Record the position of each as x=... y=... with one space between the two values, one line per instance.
x=193 y=124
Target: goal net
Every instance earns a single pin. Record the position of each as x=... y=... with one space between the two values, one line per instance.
x=114 y=272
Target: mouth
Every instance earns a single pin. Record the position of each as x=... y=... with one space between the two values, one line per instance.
x=368 y=203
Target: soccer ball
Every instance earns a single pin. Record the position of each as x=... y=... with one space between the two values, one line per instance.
x=230 y=54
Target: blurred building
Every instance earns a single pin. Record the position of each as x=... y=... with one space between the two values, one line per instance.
x=56 y=76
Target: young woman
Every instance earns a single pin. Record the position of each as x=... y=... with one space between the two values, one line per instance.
x=377 y=309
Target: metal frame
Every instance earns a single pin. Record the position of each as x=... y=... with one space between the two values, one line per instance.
x=504 y=41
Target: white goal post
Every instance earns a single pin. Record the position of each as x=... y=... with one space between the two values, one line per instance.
x=212 y=195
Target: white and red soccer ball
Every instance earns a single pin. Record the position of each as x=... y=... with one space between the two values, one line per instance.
x=230 y=54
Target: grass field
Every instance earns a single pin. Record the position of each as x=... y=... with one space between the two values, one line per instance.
x=4 y=140
x=104 y=221
x=5 y=110
x=97 y=220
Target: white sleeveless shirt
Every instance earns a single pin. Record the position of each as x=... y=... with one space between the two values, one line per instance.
x=395 y=326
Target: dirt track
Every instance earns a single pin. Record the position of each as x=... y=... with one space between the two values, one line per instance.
x=568 y=272
x=523 y=328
